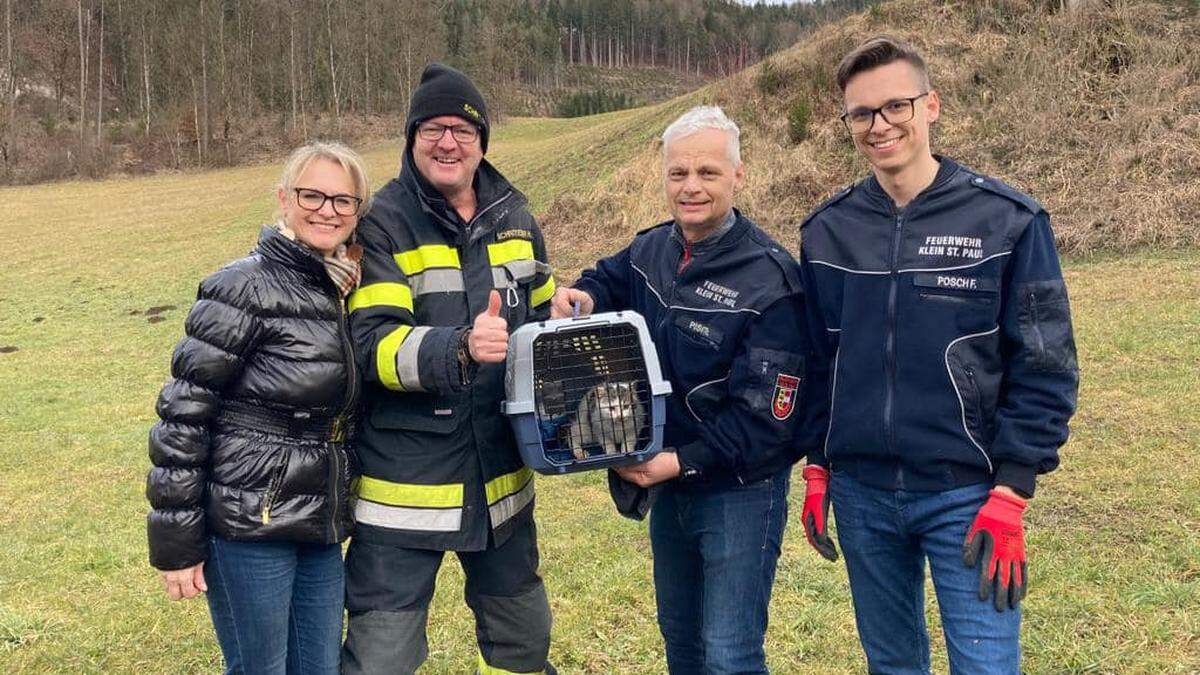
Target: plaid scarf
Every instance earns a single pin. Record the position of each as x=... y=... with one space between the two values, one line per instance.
x=344 y=265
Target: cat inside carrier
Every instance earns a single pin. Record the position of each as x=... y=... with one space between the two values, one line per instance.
x=585 y=393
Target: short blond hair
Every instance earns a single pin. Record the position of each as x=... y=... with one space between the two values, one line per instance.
x=348 y=159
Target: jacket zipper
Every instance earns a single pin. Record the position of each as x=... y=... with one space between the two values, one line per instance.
x=890 y=343
x=273 y=486
x=1037 y=328
x=975 y=394
x=338 y=433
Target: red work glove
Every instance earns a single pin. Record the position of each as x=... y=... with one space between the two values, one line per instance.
x=997 y=537
x=815 y=515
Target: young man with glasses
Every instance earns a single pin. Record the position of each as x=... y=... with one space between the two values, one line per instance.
x=452 y=260
x=950 y=374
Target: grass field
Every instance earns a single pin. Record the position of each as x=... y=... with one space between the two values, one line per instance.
x=92 y=301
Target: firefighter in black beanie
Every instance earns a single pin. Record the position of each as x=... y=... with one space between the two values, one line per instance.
x=452 y=260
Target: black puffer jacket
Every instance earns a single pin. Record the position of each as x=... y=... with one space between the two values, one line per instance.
x=251 y=443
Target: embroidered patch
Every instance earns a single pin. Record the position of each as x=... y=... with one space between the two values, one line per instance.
x=784 y=401
x=505 y=235
x=472 y=111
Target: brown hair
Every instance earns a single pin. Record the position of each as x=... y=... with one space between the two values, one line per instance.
x=880 y=51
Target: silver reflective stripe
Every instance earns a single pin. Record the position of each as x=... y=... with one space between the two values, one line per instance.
x=520 y=270
x=511 y=505
x=407 y=518
x=436 y=281
x=408 y=368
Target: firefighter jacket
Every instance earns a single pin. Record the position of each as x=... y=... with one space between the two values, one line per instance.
x=439 y=460
x=948 y=356
x=250 y=446
x=727 y=317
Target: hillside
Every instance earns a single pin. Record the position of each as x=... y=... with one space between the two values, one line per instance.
x=1095 y=113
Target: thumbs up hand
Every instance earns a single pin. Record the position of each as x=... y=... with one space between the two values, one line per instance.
x=488 y=339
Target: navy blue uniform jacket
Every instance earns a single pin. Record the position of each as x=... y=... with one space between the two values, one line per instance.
x=947 y=357
x=729 y=329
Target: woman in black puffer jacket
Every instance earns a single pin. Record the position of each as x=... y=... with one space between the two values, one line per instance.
x=250 y=485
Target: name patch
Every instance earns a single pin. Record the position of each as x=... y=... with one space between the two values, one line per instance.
x=956 y=282
x=505 y=235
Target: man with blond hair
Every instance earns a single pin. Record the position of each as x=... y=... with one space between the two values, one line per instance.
x=726 y=310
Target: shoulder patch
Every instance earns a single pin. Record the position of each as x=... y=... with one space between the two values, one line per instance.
x=996 y=186
x=841 y=194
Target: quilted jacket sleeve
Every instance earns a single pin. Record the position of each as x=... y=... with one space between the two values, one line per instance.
x=221 y=330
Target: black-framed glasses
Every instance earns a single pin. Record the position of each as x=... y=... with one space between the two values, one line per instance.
x=463 y=133
x=314 y=200
x=898 y=111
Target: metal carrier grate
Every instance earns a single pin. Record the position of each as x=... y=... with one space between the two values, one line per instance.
x=592 y=393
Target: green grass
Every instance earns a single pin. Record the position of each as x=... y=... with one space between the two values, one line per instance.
x=1115 y=556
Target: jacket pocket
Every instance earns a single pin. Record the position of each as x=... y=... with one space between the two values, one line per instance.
x=1044 y=318
x=978 y=393
x=420 y=413
x=772 y=381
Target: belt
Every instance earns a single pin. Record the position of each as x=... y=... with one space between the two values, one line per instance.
x=291 y=423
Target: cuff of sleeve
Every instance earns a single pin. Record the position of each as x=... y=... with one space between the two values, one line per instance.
x=695 y=460
x=1022 y=478
x=816 y=456
x=451 y=377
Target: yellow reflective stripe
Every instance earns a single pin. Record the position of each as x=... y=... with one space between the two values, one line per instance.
x=484 y=668
x=542 y=293
x=411 y=494
x=385 y=357
x=508 y=251
x=423 y=257
x=510 y=483
x=388 y=294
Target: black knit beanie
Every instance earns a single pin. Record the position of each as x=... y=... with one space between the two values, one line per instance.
x=446 y=91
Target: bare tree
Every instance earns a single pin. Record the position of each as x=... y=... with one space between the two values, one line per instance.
x=100 y=80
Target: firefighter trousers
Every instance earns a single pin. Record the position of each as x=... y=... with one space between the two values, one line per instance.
x=388 y=591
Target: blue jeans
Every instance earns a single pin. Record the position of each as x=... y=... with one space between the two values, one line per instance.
x=714 y=565
x=886 y=536
x=276 y=606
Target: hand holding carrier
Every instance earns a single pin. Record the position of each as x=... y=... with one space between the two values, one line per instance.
x=585 y=393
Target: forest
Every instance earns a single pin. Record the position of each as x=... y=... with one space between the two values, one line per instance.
x=199 y=82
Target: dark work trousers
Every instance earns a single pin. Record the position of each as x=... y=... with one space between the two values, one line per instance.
x=388 y=591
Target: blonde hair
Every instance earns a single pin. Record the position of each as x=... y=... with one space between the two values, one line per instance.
x=348 y=159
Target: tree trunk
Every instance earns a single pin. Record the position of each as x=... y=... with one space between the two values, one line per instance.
x=146 y=76
x=11 y=130
x=100 y=81
x=82 y=77
x=337 y=112
x=204 y=77
x=292 y=62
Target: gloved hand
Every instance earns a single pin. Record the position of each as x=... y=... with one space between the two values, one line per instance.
x=997 y=537
x=815 y=515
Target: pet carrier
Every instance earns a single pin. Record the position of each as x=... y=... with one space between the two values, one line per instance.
x=585 y=393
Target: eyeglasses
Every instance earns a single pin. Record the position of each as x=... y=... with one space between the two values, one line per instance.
x=463 y=133
x=899 y=111
x=314 y=200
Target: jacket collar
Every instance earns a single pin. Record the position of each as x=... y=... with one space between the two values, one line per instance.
x=275 y=247
x=947 y=168
x=495 y=198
